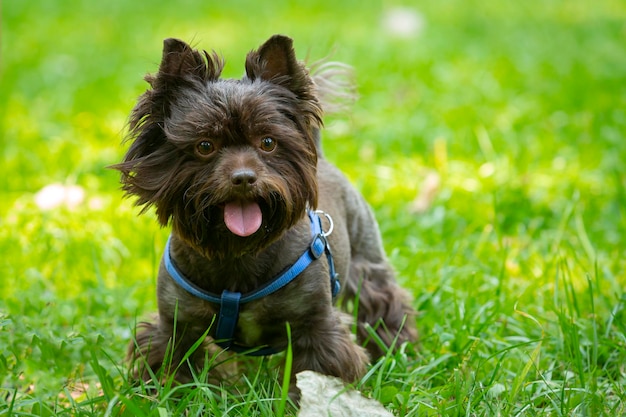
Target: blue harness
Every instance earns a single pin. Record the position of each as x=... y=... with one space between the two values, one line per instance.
x=230 y=301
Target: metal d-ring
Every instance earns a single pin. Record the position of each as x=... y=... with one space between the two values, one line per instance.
x=330 y=221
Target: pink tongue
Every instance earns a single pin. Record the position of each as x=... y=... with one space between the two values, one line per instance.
x=242 y=218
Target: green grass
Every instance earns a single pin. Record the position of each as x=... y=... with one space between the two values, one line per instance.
x=518 y=267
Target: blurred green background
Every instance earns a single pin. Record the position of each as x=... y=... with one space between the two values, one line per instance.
x=512 y=115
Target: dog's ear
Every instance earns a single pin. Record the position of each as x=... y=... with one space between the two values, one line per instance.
x=180 y=61
x=275 y=61
x=275 y=58
x=181 y=67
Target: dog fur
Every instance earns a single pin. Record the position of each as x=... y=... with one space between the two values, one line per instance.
x=199 y=142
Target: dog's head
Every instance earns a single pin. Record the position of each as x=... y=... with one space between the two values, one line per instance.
x=231 y=164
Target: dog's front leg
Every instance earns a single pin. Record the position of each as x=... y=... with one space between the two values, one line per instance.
x=325 y=345
x=164 y=348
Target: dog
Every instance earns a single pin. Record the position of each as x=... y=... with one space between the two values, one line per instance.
x=267 y=236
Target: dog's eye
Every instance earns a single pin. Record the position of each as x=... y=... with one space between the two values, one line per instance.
x=205 y=147
x=268 y=144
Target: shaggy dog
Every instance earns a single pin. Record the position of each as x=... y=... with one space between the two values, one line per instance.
x=265 y=232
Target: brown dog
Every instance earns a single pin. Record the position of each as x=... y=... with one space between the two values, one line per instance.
x=235 y=167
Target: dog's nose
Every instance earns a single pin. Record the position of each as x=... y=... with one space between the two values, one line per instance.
x=243 y=177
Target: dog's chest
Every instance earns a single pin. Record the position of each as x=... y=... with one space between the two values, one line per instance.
x=250 y=331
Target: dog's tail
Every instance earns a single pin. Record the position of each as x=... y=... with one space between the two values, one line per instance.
x=335 y=87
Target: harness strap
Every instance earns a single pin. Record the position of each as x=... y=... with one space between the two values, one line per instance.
x=229 y=313
x=230 y=301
